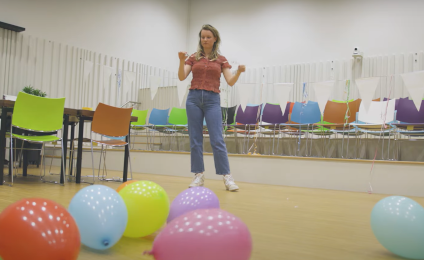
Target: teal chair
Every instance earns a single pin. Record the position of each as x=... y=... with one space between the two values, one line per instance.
x=39 y=115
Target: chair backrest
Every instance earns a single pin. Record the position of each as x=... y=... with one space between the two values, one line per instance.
x=39 y=114
x=396 y=101
x=159 y=116
x=141 y=116
x=178 y=116
x=250 y=115
x=407 y=111
x=379 y=112
x=335 y=112
x=228 y=115
x=111 y=121
x=273 y=114
x=308 y=113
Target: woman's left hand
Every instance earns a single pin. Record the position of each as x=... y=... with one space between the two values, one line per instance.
x=241 y=68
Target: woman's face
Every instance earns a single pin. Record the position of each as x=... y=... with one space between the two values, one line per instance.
x=207 y=39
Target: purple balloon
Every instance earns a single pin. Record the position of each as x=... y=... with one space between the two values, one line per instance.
x=192 y=199
x=206 y=234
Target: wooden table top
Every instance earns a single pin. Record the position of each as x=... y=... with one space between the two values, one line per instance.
x=10 y=103
x=67 y=111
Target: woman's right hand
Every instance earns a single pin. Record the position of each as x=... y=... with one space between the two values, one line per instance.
x=182 y=55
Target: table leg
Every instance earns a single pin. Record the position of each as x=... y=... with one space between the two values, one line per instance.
x=10 y=163
x=79 y=154
x=71 y=147
x=126 y=156
x=25 y=159
x=3 y=142
x=65 y=146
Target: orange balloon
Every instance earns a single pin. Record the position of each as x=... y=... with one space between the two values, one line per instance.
x=38 y=229
x=123 y=185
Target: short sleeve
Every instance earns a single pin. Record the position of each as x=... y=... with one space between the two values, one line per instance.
x=190 y=61
x=225 y=63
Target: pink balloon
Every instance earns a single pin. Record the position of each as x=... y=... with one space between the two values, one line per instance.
x=207 y=234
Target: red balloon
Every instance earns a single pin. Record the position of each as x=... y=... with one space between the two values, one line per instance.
x=38 y=229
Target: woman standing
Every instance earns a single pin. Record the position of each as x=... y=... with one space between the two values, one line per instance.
x=203 y=102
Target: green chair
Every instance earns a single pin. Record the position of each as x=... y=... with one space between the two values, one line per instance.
x=40 y=115
x=141 y=121
x=178 y=123
x=140 y=125
x=178 y=117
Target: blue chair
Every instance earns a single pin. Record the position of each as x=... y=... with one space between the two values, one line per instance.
x=158 y=117
x=158 y=122
x=303 y=117
x=306 y=114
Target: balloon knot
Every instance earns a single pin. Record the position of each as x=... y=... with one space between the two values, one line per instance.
x=148 y=252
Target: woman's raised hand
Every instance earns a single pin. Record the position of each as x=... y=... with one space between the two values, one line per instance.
x=182 y=55
x=241 y=68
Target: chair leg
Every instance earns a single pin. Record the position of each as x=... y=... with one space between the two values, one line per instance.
x=43 y=162
x=129 y=155
x=92 y=154
x=100 y=163
x=20 y=157
x=104 y=173
x=129 y=159
x=11 y=154
x=62 y=179
x=104 y=163
x=51 y=160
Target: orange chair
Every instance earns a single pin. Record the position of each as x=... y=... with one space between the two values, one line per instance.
x=334 y=119
x=335 y=112
x=112 y=123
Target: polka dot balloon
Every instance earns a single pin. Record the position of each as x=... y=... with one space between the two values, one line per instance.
x=206 y=234
x=38 y=228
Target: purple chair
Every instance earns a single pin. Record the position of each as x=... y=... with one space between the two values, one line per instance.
x=272 y=114
x=407 y=112
x=396 y=101
x=411 y=121
x=250 y=116
x=247 y=122
x=272 y=118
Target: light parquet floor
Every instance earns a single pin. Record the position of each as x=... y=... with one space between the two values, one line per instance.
x=285 y=222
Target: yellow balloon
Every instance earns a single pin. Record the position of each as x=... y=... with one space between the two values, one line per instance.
x=148 y=208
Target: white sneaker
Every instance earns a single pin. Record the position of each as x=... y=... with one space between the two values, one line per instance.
x=229 y=183
x=198 y=180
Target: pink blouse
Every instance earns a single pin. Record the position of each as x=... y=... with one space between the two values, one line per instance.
x=206 y=73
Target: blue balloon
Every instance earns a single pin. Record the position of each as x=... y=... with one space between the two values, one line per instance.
x=100 y=214
x=398 y=224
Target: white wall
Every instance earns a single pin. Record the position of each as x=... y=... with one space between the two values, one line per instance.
x=146 y=31
x=277 y=32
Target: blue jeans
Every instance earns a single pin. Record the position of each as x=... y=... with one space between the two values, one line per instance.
x=206 y=104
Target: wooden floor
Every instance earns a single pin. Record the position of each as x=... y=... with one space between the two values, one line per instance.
x=285 y=222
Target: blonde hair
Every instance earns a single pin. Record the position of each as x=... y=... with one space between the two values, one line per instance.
x=215 y=49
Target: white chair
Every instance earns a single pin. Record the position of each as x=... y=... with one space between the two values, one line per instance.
x=377 y=120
